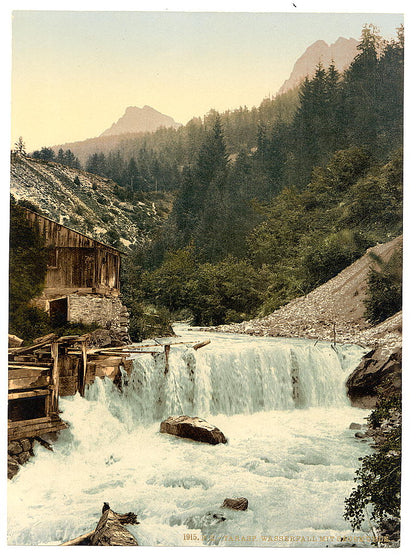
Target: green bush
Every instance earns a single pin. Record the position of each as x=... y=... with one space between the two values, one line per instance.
x=384 y=288
x=379 y=477
x=328 y=256
x=147 y=323
x=28 y=323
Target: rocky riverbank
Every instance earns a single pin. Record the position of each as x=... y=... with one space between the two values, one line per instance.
x=332 y=312
x=383 y=433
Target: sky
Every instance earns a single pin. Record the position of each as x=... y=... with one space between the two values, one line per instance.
x=75 y=72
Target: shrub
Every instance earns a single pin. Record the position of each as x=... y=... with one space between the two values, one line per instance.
x=384 y=288
x=379 y=476
x=28 y=264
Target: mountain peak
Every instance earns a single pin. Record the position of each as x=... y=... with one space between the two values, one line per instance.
x=136 y=120
x=342 y=53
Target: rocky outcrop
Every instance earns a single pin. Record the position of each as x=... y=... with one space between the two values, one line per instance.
x=84 y=202
x=193 y=428
x=235 y=503
x=341 y=54
x=376 y=376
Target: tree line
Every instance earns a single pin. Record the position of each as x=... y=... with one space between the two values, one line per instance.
x=273 y=201
x=251 y=230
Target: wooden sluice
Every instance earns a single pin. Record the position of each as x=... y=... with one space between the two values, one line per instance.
x=54 y=366
x=33 y=391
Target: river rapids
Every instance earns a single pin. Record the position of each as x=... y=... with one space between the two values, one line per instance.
x=280 y=402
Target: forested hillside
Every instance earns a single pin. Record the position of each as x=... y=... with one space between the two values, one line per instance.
x=269 y=202
x=250 y=232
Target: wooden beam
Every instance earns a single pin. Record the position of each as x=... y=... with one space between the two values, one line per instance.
x=35 y=421
x=127 y=353
x=84 y=367
x=22 y=350
x=28 y=373
x=55 y=377
x=38 y=381
x=45 y=338
x=167 y=351
x=202 y=344
x=33 y=430
x=28 y=394
x=13 y=365
x=80 y=541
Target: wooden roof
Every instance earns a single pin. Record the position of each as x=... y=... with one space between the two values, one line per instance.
x=87 y=239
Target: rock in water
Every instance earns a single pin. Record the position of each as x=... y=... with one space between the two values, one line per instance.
x=12 y=467
x=194 y=428
x=376 y=376
x=355 y=426
x=235 y=503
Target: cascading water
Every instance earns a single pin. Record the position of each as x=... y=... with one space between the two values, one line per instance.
x=281 y=404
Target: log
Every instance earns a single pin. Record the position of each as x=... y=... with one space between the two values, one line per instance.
x=45 y=338
x=202 y=344
x=39 y=343
x=55 y=377
x=109 y=530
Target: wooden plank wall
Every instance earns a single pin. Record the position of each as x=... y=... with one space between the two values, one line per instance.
x=80 y=262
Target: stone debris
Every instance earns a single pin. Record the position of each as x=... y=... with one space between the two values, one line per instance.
x=332 y=312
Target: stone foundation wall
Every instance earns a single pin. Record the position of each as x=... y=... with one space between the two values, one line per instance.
x=18 y=453
x=108 y=312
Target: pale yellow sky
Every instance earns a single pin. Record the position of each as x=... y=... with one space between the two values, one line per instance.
x=74 y=73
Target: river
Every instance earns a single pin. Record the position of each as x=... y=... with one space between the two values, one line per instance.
x=280 y=402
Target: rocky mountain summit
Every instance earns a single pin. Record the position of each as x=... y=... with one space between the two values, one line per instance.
x=341 y=53
x=135 y=120
x=85 y=202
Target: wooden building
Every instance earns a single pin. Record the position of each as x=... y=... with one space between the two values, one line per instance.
x=82 y=282
x=76 y=261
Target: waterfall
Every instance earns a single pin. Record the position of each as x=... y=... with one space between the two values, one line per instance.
x=231 y=378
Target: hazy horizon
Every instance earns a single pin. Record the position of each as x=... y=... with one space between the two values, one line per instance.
x=75 y=73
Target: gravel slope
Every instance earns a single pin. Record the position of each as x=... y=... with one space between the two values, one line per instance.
x=335 y=310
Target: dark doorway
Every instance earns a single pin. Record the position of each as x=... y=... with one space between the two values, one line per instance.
x=58 y=310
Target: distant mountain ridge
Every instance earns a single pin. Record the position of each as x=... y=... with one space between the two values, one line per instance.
x=136 y=120
x=342 y=53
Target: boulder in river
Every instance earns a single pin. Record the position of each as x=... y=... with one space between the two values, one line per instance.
x=235 y=503
x=193 y=428
x=12 y=467
x=355 y=426
x=377 y=375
